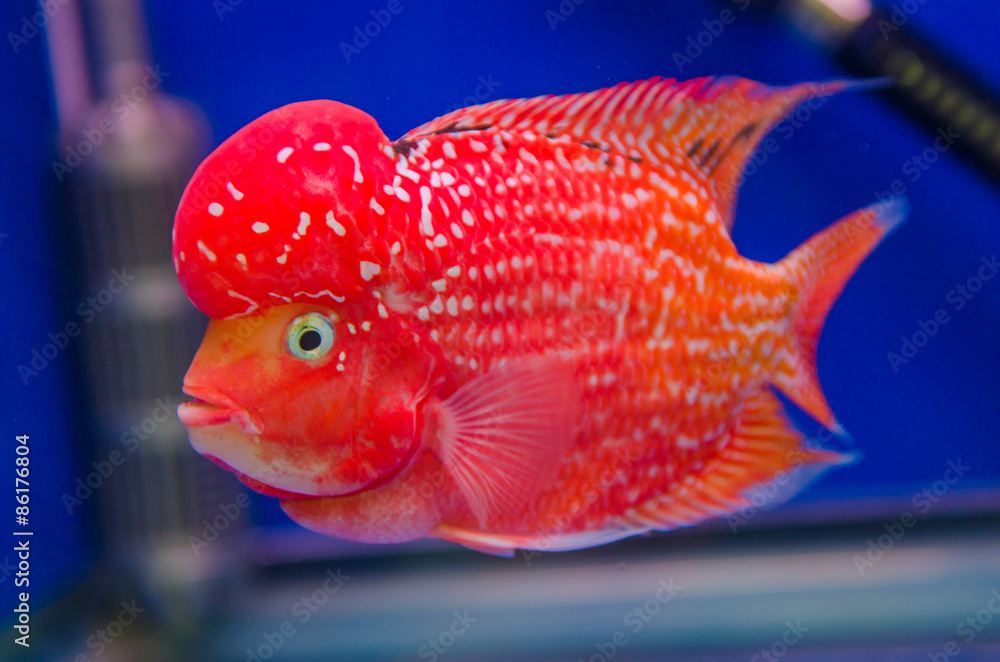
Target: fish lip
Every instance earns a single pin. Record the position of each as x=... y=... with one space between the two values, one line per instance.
x=210 y=407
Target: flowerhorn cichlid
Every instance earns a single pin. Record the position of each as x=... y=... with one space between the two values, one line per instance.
x=521 y=325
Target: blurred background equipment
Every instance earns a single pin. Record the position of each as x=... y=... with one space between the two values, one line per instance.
x=930 y=86
x=129 y=151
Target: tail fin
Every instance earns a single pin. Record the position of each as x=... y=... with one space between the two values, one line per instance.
x=819 y=269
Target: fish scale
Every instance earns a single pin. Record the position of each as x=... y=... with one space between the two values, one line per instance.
x=551 y=341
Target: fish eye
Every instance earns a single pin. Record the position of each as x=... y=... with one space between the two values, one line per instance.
x=310 y=336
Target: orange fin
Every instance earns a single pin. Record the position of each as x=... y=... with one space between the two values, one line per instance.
x=717 y=122
x=819 y=269
x=762 y=444
x=502 y=435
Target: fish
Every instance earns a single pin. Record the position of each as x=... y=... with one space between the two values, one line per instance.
x=521 y=325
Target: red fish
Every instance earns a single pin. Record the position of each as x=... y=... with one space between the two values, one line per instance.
x=521 y=325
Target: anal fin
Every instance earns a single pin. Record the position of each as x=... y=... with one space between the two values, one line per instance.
x=762 y=443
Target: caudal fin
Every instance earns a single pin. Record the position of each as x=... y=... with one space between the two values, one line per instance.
x=819 y=269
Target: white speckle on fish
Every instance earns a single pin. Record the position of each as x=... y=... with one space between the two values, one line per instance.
x=426 y=226
x=204 y=249
x=369 y=270
x=260 y=228
x=237 y=195
x=303 y=223
x=215 y=209
x=284 y=153
x=358 y=179
x=332 y=223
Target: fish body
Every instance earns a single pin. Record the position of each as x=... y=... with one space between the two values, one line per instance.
x=521 y=325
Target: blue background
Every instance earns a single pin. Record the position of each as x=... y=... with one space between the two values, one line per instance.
x=940 y=406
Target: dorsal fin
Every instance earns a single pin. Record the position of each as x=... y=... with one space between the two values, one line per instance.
x=716 y=122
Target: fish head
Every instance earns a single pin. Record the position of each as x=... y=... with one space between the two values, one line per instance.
x=283 y=211
x=299 y=402
x=279 y=239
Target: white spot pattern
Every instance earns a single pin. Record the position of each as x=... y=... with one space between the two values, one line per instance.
x=369 y=270
x=358 y=179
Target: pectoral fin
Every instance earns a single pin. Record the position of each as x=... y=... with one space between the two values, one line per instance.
x=502 y=435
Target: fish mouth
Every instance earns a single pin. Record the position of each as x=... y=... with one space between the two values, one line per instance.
x=210 y=407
